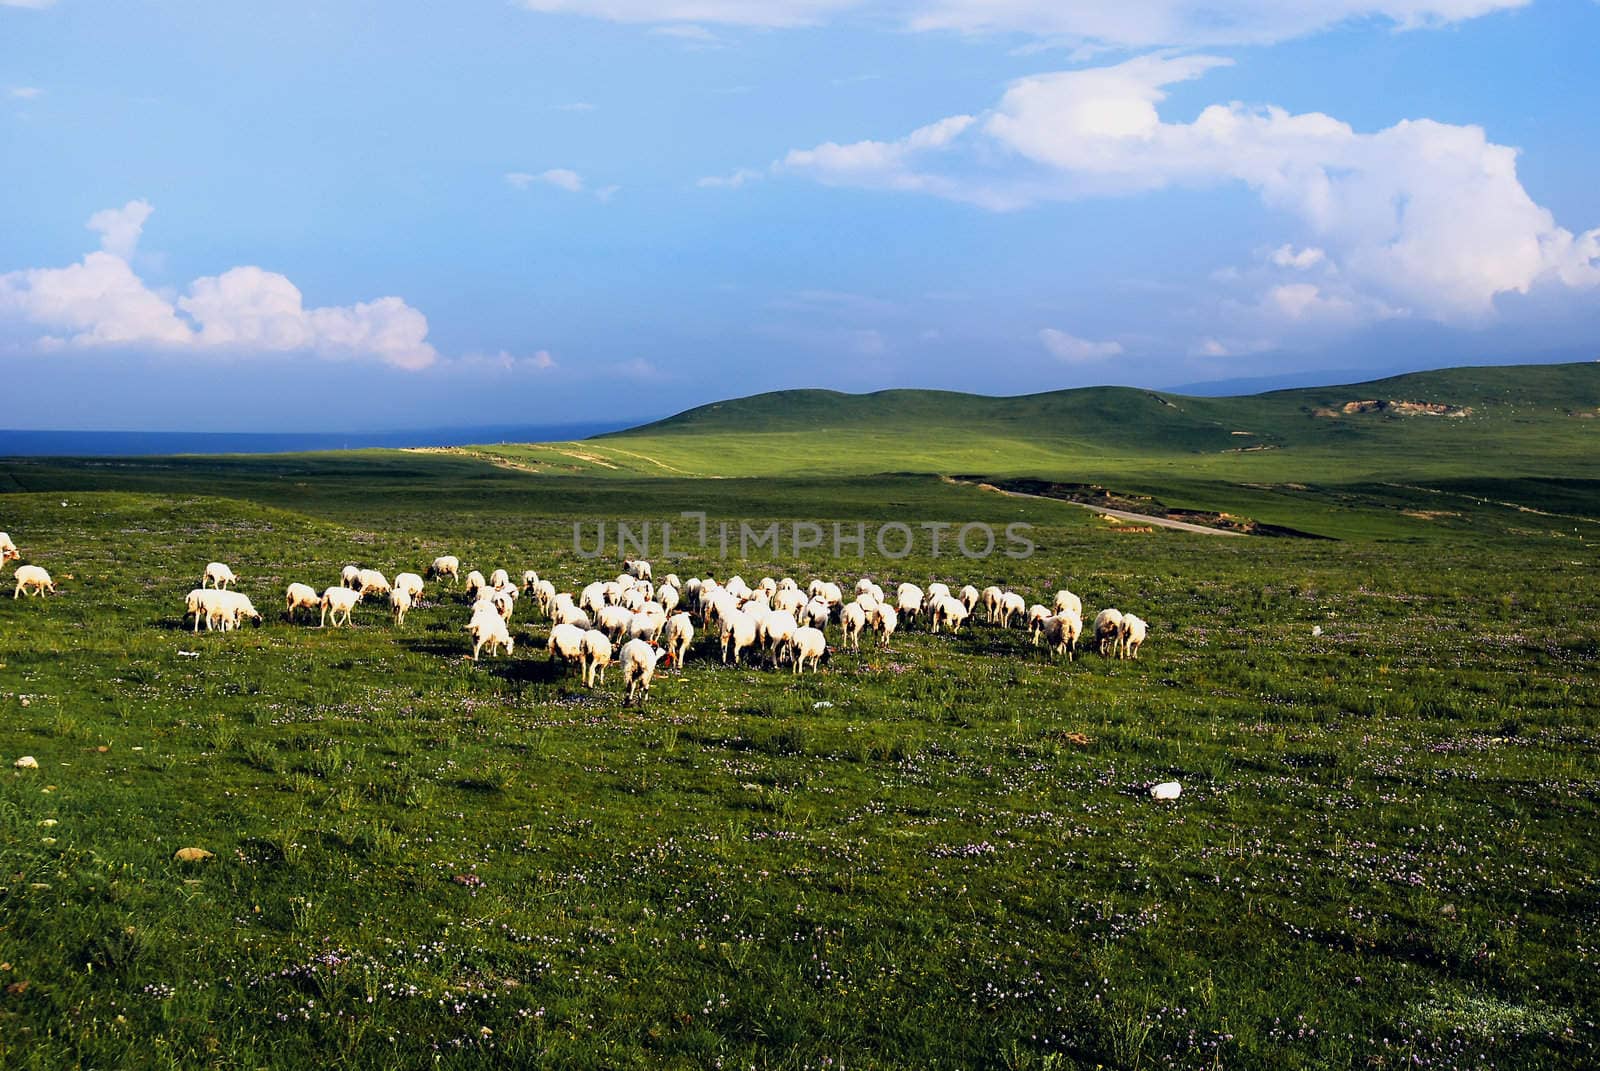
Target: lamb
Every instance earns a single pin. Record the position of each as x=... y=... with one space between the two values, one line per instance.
x=400 y=602
x=885 y=621
x=596 y=656
x=1011 y=605
x=446 y=565
x=969 y=597
x=218 y=576
x=411 y=584
x=638 y=659
x=1131 y=635
x=336 y=601
x=951 y=613
x=350 y=576
x=34 y=580
x=1108 y=631
x=566 y=642
x=490 y=632
x=300 y=597
x=908 y=600
x=632 y=600
x=864 y=585
x=1066 y=600
x=788 y=584
x=806 y=644
x=738 y=632
x=677 y=636
x=8 y=549
x=1060 y=632
x=991 y=602
x=852 y=619
x=372 y=583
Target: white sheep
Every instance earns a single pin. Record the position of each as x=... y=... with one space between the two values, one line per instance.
x=491 y=632
x=1036 y=615
x=592 y=597
x=373 y=583
x=300 y=597
x=1065 y=601
x=672 y=580
x=8 y=549
x=529 y=579
x=949 y=613
x=852 y=619
x=969 y=597
x=544 y=595
x=667 y=596
x=336 y=601
x=991 y=602
x=34 y=580
x=596 y=656
x=647 y=624
x=737 y=587
x=197 y=604
x=1060 y=632
x=399 y=603
x=568 y=614
x=218 y=575
x=240 y=607
x=1011 y=605
x=410 y=583
x=815 y=614
x=676 y=637
x=908 y=600
x=638 y=658
x=1108 y=631
x=831 y=594
x=885 y=621
x=446 y=565
x=566 y=643
x=738 y=633
x=791 y=600
x=499 y=578
x=1131 y=635
x=774 y=630
x=938 y=591
x=350 y=576
x=614 y=621
x=637 y=567
x=475 y=581
x=806 y=644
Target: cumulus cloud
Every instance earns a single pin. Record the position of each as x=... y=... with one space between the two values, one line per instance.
x=1386 y=208
x=101 y=301
x=1087 y=23
x=1287 y=256
x=1074 y=350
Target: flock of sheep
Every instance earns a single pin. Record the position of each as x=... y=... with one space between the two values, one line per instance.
x=630 y=621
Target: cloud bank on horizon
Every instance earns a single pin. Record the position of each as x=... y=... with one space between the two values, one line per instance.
x=1149 y=190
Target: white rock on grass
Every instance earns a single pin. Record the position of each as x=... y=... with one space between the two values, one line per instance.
x=1166 y=790
x=27 y=762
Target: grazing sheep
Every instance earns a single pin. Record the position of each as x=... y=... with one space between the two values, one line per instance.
x=792 y=600
x=593 y=597
x=529 y=579
x=336 y=601
x=446 y=565
x=230 y=607
x=950 y=613
x=8 y=549
x=637 y=567
x=614 y=621
x=490 y=631
x=737 y=587
x=632 y=600
x=372 y=583
x=1011 y=605
x=908 y=600
x=638 y=658
x=673 y=581
x=767 y=586
x=677 y=636
x=938 y=591
x=399 y=603
x=852 y=619
x=1036 y=614
x=350 y=576
x=218 y=576
x=738 y=633
x=667 y=596
x=648 y=623
x=831 y=594
x=566 y=643
x=197 y=604
x=773 y=631
x=544 y=596
x=34 y=580
x=1131 y=635
x=1065 y=601
x=991 y=602
x=1060 y=632
x=969 y=597
x=596 y=656
x=1108 y=631
x=300 y=597
x=815 y=613
x=410 y=583
x=499 y=578
x=568 y=614
x=806 y=644
x=885 y=621
x=475 y=581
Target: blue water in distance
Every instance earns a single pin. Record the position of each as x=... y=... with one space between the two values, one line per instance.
x=156 y=443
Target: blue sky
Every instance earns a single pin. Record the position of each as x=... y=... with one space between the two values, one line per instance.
x=379 y=215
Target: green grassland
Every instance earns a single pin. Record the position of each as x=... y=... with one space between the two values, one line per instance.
x=1384 y=856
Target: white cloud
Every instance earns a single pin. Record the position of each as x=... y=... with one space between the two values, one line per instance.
x=1074 y=350
x=729 y=182
x=1086 y=25
x=1386 y=208
x=27 y=3
x=1287 y=256
x=100 y=301
x=505 y=361
x=25 y=92
x=688 y=31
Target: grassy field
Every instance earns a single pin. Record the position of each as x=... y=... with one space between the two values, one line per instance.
x=939 y=855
